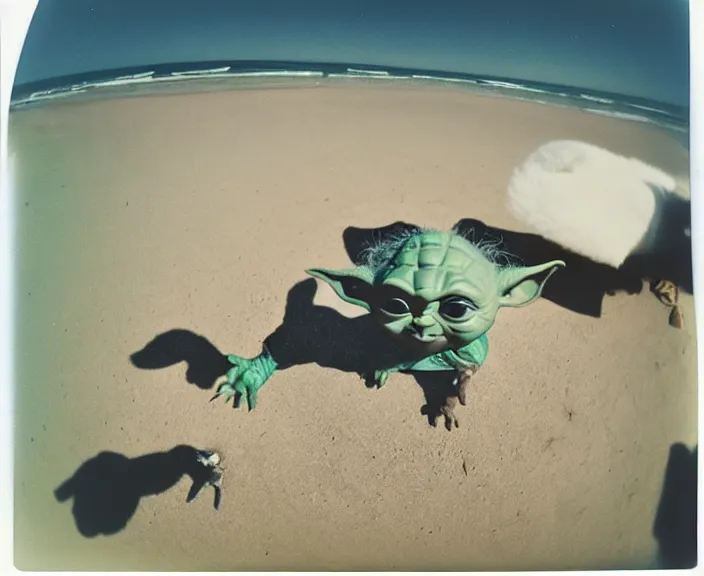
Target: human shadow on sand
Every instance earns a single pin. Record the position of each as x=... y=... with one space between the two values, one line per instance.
x=581 y=286
x=107 y=489
x=675 y=526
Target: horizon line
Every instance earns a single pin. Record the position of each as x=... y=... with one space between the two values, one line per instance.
x=25 y=89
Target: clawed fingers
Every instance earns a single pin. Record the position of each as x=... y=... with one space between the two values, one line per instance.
x=462 y=390
x=380 y=378
x=242 y=391
x=462 y=382
x=245 y=377
x=251 y=399
x=450 y=420
x=237 y=391
x=225 y=390
x=445 y=411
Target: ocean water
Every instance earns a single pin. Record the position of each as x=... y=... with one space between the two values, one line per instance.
x=167 y=77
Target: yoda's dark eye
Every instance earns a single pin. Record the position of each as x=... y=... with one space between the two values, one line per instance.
x=396 y=306
x=457 y=309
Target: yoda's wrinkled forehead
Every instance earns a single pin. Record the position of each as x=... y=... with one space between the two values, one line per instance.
x=432 y=264
x=437 y=266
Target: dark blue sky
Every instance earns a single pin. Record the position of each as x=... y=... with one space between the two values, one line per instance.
x=633 y=47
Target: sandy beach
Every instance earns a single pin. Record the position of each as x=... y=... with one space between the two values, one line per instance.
x=156 y=234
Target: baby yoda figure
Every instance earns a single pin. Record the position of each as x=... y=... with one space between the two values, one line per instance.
x=436 y=293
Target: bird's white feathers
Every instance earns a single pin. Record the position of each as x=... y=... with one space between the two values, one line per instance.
x=587 y=199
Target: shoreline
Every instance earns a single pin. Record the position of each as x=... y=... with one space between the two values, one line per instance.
x=224 y=84
x=174 y=78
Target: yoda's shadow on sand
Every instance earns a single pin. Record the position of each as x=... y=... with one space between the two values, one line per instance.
x=309 y=334
x=322 y=336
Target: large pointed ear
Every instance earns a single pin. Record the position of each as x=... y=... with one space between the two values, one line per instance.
x=521 y=286
x=353 y=285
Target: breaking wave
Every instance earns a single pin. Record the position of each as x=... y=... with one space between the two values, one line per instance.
x=622 y=107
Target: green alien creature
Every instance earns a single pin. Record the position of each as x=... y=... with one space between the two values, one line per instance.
x=436 y=294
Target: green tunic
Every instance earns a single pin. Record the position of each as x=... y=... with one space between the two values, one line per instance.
x=473 y=354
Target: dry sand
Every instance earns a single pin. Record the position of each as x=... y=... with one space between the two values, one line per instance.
x=199 y=212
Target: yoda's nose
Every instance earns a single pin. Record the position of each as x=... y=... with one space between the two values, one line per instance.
x=424 y=321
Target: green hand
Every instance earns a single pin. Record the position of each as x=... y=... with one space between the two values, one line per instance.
x=381 y=376
x=246 y=377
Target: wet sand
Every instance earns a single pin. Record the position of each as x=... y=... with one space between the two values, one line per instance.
x=199 y=213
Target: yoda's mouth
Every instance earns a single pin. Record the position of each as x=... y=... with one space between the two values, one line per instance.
x=425 y=338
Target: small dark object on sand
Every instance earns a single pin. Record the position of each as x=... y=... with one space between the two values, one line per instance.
x=211 y=475
x=668 y=294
